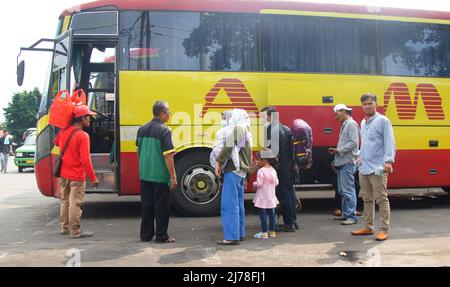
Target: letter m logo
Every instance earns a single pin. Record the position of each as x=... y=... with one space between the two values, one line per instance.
x=407 y=108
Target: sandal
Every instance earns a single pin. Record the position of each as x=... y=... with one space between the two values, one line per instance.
x=337 y=213
x=168 y=241
x=228 y=242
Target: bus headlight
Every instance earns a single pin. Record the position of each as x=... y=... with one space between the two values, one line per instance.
x=19 y=154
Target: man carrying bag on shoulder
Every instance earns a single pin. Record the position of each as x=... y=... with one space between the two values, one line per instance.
x=73 y=166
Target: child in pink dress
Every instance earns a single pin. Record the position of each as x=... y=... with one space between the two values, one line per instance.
x=265 y=199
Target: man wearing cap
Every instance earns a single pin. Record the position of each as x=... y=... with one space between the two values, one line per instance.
x=76 y=166
x=345 y=162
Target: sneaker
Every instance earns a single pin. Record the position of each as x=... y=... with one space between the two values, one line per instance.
x=83 y=234
x=340 y=218
x=348 y=222
x=262 y=235
x=272 y=234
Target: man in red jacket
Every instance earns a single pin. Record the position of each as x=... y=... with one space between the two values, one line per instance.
x=76 y=166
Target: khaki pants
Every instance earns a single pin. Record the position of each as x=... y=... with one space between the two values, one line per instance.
x=72 y=198
x=374 y=190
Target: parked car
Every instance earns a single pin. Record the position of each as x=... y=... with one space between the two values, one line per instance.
x=24 y=156
x=27 y=133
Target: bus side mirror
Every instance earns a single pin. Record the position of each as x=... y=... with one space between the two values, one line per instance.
x=20 y=73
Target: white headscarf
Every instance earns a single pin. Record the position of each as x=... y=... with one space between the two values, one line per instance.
x=226 y=121
x=240 y=117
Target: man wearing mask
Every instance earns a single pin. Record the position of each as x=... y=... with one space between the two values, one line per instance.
x=279 y=134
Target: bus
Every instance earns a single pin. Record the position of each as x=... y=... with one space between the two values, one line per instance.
x=205 y=57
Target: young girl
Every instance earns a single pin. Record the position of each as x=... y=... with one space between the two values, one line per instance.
x=265 y=198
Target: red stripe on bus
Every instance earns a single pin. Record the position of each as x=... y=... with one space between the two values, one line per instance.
x=411 y=169
x=43 y=174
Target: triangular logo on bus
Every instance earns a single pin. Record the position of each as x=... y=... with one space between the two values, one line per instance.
x=238 y=94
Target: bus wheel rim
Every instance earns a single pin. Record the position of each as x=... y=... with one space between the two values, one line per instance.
x=199 y=185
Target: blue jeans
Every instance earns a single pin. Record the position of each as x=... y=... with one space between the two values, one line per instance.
x=263 y=214
x=233 y=212
x=346 y=188
x=4 y=157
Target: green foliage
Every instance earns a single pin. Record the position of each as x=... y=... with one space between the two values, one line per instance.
x=21 y=112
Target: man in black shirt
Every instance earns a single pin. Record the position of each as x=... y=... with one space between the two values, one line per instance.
x=285 y=170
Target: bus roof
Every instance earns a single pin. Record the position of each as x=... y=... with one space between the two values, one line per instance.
x=255 y=6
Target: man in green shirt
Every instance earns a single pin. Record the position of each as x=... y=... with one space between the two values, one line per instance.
x=157 y=174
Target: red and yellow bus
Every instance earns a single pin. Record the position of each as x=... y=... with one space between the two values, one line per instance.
x=206 y=56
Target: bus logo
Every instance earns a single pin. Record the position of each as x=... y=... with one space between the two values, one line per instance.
x=237 y=93
x=407 y=109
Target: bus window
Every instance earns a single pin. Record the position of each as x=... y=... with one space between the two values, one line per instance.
x=61 y=54
x=103 y=55
x=101 y=80
x=188 y=41
x=318 y=44
x=414 y=49
x=99 y=23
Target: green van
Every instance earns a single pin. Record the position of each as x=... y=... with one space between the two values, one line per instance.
x=24 y=156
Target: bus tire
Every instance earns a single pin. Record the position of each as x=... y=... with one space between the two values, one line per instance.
x=198 y=191
x=446 y=189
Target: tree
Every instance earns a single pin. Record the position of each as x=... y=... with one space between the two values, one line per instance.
x=21 y=112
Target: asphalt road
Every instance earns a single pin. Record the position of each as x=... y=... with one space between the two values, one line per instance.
x=29 y=235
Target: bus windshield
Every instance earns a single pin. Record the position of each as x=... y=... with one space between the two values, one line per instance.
x=31 y=140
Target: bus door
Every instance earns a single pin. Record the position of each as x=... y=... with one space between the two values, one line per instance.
x=98 y=79
x=94 y=71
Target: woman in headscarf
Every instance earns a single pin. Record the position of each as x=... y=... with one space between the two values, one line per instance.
x=220 y=137
x=238 y=141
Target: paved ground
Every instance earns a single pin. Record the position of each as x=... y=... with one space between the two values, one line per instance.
x=29 y=234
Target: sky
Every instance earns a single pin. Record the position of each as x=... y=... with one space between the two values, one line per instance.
x=24 y=22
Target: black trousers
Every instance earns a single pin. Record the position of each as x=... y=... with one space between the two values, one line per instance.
x=286 y=195
x=155 y=206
